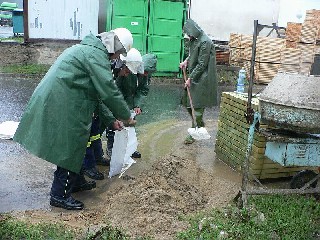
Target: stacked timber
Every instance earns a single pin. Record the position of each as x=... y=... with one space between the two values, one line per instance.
x=236 y=50
x=232 y=140
x=267 y=55
x=302 y=38
x=294 y=54
x=293 y=34
x=222 y=57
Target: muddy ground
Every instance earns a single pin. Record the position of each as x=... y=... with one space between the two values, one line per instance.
x=170 y=180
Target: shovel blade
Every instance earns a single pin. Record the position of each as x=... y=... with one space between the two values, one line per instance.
x=199 y=133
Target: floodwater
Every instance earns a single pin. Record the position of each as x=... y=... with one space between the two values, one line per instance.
x=26 y=179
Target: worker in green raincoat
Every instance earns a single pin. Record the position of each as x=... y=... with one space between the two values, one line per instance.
x=134 y=85
x=202 y=80
x=150 y=66
x=57 y=121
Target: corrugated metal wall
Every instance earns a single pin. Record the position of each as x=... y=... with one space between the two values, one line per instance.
x=62 y=19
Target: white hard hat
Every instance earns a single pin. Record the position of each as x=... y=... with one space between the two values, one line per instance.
x=125 y=37
x=133 y=60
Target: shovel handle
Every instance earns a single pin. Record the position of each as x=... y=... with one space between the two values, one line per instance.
x=190 y=99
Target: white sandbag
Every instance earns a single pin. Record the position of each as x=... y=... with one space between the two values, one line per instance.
x=124 y=145
x=199 y=133
x=8 y=129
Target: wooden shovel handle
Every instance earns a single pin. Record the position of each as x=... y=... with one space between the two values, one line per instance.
x=190 y=99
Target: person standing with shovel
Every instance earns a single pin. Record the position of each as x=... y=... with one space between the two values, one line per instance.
x=202 y=80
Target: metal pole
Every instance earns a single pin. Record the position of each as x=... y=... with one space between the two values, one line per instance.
x=250 y=113
x=251 y=119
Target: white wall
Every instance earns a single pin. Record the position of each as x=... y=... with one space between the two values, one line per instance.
x=219 y=18
x=62 y=19
x=295 y=10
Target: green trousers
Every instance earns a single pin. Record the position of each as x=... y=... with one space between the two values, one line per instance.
x=198 y=112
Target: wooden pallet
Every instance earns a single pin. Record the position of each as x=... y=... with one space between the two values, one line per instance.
x=290 y=56
x=307 y=52
x=293 y=32
x=235 y=40
x=290 y=44
x=305 y=68
x=236 y=54
x=265 y=72
x=269 y=54
x=289 y=68
x=309 y=32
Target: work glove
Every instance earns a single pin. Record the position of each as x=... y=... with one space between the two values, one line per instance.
x=129 y=123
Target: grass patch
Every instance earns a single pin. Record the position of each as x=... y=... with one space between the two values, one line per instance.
x=25 y=69
x=268 y=217
x=11 y=229
x=15 y=39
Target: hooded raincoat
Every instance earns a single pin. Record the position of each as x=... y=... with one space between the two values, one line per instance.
x=201 y=67
x=57 y=121
x=150 y=65
x=134 y=89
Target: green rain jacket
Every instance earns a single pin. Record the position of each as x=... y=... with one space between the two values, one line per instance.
x=57 y=121
x=150 y=65
x=134 y=89
x=201 y=67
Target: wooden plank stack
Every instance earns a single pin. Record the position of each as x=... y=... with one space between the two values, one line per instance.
x=232 y=140
x=302 y=38
x=294 y=54
x=222 y=57
x=267 y=55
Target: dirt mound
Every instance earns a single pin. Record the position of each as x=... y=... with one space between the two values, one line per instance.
x=152 y=203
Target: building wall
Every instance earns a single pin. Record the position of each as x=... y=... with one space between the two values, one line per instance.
x=219 y=18
x=32 y=53
x=295 y=10
x=62 y=19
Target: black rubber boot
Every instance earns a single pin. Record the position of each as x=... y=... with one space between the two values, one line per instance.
x=67 y=203
x=82 y=184
x=102 y=161
x=93 y=173
x=60 y=195
x=136 y=154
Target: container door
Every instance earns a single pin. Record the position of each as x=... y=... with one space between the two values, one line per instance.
x=133 y=15
x=165 y=34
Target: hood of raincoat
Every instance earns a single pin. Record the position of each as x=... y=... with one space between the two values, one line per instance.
x=191 y=28
x=111 y=42
x=149 y=62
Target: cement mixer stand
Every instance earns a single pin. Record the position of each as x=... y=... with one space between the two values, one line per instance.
x=253 y=118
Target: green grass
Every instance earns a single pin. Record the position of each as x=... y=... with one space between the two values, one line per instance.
x=268 y=217
x=11 y=229
x=15 y=39
x=25 y=69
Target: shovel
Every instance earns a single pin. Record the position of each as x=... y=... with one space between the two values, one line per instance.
x=196 y=132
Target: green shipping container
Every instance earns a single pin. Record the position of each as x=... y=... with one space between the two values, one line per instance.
x=156 y=26
x=133 y=15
